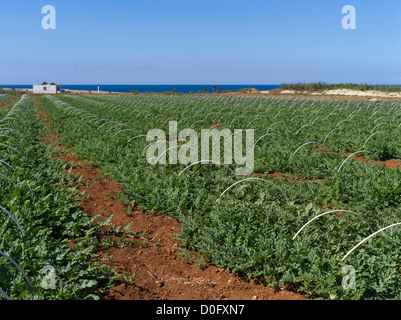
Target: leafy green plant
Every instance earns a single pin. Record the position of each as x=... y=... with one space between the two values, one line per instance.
x=49 y=215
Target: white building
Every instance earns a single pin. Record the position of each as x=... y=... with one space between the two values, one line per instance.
x=46 y=89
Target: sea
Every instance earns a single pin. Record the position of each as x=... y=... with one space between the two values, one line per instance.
x=152 y=88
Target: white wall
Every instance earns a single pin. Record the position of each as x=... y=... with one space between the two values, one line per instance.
x=45 y=89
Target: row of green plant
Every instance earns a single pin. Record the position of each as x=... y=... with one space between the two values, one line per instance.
x=341 y=128
x=39 y=217
x=250 y=227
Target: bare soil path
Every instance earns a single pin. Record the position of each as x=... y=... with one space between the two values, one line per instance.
x=160 y=272
x=10 y=101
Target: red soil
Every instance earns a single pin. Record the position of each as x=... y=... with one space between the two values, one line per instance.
x=389 y=164
x=9 y=102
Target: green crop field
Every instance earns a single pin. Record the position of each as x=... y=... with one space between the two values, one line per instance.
x=295 y=221
x=39 y=215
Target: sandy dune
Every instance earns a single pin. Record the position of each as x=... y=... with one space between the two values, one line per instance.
x=348 y=92
x=344 y=92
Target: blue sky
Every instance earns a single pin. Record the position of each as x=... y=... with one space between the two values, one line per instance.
x=200 y=42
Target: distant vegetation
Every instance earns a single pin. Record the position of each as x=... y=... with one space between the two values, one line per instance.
x=325 y=86
x=244 y=90
x=11 y=91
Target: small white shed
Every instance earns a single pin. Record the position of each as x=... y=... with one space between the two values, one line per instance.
x=46 y=89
